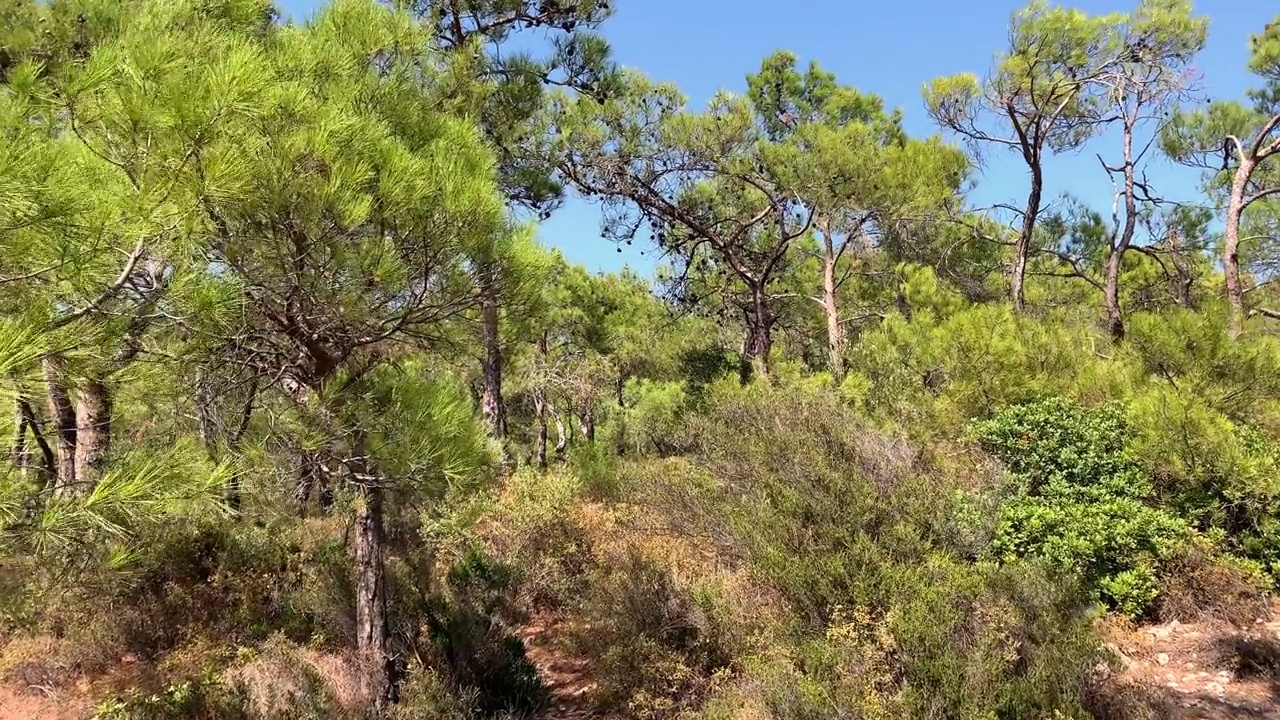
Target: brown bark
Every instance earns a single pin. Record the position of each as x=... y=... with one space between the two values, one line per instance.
x=835 y=333
x=1022 y=247
x=93 y=432
x=372 y=633
x=587 y=424
x=491 y=403
x=63 y=416
x=759 y=336
x=1231 y=246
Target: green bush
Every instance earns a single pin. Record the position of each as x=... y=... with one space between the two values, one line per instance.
x=1081 y=502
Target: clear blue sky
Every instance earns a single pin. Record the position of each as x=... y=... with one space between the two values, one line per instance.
x=889 y=48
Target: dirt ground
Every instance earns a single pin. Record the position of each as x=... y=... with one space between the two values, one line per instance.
x=1205 y=670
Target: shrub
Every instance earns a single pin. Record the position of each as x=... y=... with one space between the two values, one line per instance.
x=1199 y=582
x=837 y=515
x=1082 y=503
x=472 y=643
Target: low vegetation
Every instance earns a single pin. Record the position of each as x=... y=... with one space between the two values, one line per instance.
x=306 y=425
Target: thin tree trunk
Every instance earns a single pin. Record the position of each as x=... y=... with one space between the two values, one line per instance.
x=759 y=333
x=491 y=392
x=1182 y=285
x=63 y=415
x=19 y=455
x=540 y=412
x=835 y=333
x=587 y=424
x=93 y=432
x=1231 y=247
x=540 y=408
x=48 y=461
x=1022 y=248
x=562 y=434
x=372 y=632
x=1111 y=290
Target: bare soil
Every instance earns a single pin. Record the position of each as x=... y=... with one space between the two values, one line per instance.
x=1205 y=670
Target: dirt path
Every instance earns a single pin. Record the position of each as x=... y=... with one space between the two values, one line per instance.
x=1207 y=670
x=566 y=676
x=41 y=704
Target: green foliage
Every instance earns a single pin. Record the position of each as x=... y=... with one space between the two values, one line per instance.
x=1081 y=503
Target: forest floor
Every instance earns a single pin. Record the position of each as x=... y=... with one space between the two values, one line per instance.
x=566 y=675
x=1197 y=671
x=1205 y=670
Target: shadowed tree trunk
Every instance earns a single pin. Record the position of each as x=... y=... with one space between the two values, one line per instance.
x=371 y=591
x=491 y=403
x=63 y=416
x=48 y=460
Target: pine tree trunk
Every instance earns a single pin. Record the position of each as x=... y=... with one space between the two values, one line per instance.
x=541 y=407
x=562 y=434
x=835 y=334
x=491 y=403
x=93 y=432
x=371 y=592
x=48 y=460
x=1231 y=247
x=63 y=415
x=587 y=424
x=759 y=340
x=540 y=412
x=18 y=454
x=1115 y=263
x=1184 y=282
x=1111 y=297
x=1022 y=248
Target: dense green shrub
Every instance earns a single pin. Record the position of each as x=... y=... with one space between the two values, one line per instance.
x=1082 y=503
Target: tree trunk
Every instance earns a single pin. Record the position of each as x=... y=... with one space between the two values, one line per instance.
x=63 y=415
x=1111 y=290
x=1231 y=247
x=759 y=340
x=587 y=424
x=540 y=412
x=93 y=432
x=19 y=455
x=562 y=434
x=48 y=461
x=491 y=392
x=1184 y=281
x=371 y=593
x=1022 y=248
x=1111 y=296
x=835 y=334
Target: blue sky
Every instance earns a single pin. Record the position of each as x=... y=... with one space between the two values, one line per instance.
x=889 y=48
